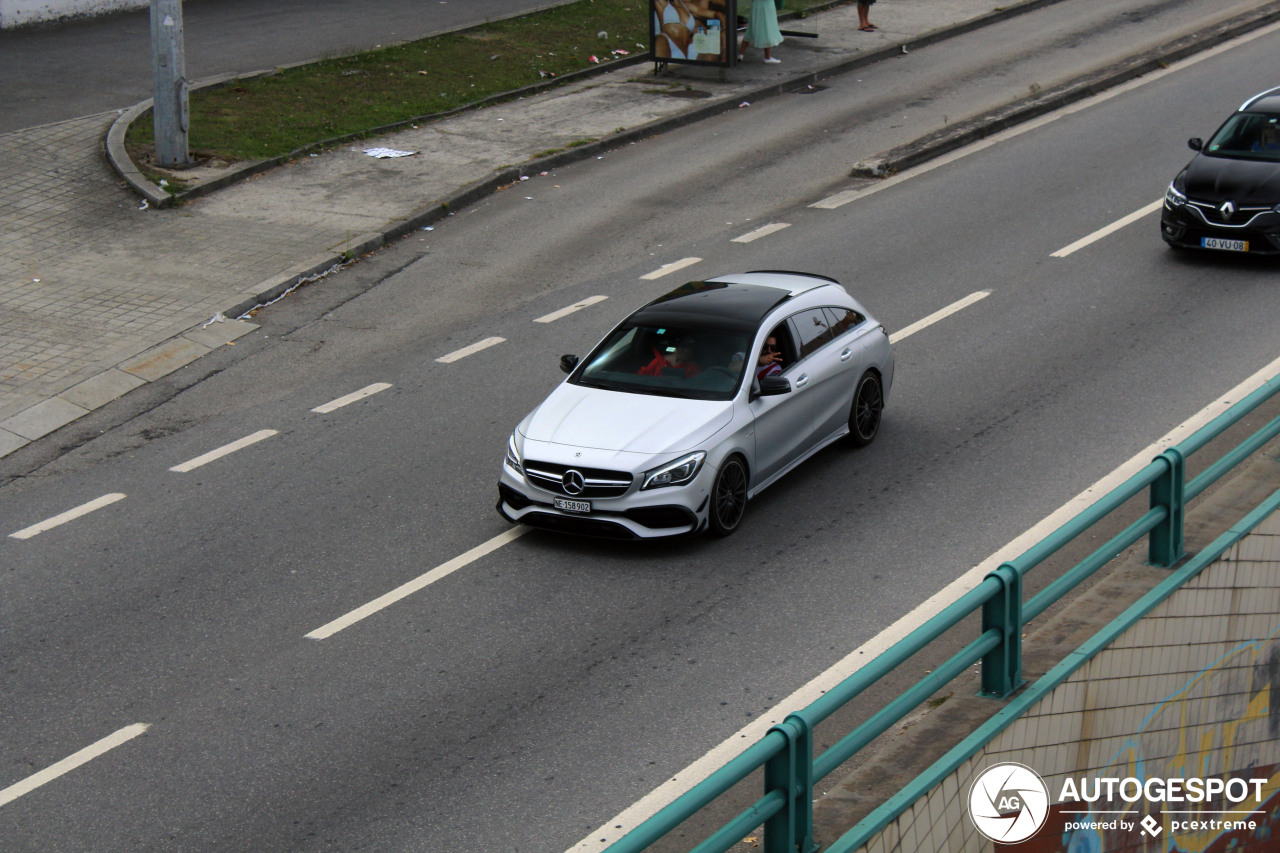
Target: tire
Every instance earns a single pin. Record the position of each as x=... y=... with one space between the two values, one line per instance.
x=865 y=413
x=728 y=497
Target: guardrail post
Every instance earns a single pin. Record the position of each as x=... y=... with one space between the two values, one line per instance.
x=1002 y=666
x=1165 y=546
x=791 y=830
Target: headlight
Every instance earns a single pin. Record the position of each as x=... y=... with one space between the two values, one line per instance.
x=513 y=456
x=675 y=473
x=1173 y=197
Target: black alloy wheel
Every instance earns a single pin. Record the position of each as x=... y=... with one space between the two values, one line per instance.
x=729 y=497
x=864 y=415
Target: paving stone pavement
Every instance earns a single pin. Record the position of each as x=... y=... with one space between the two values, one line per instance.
x=101 y=292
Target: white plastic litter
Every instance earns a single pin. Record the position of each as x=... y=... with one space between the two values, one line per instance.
x=383 y=153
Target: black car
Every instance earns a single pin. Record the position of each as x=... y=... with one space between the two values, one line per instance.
x=1228 y=196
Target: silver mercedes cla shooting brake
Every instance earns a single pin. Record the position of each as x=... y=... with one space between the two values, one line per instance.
x=695 y=404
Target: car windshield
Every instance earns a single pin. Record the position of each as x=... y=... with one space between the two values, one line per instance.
x=690 y=361
x=1247 y=136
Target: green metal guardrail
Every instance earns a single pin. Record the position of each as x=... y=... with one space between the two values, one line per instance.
x=786 y=752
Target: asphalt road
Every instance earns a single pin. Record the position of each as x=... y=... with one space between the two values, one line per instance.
x=522 y=700
x=58 y=71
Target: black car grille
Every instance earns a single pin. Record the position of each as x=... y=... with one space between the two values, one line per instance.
x=1212 y=214
x=596 y=482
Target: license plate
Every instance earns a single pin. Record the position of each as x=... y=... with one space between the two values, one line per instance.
x=573 y=506
x=1224 y=245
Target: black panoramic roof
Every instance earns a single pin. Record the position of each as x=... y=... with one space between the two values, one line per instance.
x=715 y=304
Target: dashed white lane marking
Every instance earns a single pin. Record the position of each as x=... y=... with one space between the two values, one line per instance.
x=205 y=459
x=1110 y=229
x=471 y=350
x=959 y=305
x=670 y=268
x=565 y=312
x=721 y=754
x=71 y=762
x=367 y=391
x=762 y=231
x=69 y=515
x=418 y=583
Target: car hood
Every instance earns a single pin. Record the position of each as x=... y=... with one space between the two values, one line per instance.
x=1246 y=182
x=577 y=416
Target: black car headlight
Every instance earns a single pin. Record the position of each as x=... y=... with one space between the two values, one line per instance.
x=1174 y=197
x=513 y=455
x=675 y=473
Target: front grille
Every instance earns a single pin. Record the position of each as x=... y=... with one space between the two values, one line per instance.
x=662 y=516
x=597 y=482
x=597 y=527
x=1211 y=214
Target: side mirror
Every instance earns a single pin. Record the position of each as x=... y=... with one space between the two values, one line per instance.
x=568 y=362
x=771 y=386
x=1195 y=143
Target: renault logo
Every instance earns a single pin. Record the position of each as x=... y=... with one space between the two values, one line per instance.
x=1228 y=209
x=573 y=482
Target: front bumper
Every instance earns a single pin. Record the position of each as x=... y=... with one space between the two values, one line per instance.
x=1186 y=226
x=648 y=514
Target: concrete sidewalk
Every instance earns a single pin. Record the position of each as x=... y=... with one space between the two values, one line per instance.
x=103 y=292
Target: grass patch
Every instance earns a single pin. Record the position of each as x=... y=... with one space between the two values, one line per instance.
x=273 y=115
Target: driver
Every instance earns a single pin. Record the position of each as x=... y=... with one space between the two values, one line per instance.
x=1267 y=139
x=682 y=358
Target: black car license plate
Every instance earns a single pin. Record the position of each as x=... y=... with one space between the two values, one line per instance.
x=573 y=506
x=1224 y=245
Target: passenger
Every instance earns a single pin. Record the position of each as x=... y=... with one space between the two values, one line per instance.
x=682 y=359
x=770 y=361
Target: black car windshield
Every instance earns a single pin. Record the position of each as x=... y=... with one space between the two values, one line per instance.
x=693 y=362
x=1247 y=136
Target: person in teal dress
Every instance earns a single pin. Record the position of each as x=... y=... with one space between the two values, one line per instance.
x=762 y=29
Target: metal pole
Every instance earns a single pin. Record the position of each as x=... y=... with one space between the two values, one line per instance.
x=170 y=110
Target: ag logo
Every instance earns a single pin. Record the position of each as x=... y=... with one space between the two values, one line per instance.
x=1008 y=802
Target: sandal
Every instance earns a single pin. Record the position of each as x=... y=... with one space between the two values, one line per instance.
x=869 y=28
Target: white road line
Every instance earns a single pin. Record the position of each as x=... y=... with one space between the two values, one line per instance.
x=762 y=231
x=205 y=459
x=670 y=268
x=418 y=583
x=718 y=756
x=70 y=763
x=69 y=515
x=1110 y=229
x=938 y=315
x=367 y=391
x=471 y=350
x=565 y=312
x=842 y=198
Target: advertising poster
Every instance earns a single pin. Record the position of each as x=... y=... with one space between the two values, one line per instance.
x=693 y=31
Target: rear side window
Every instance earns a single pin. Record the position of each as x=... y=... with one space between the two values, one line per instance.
x=814 y=330
x=843 y=319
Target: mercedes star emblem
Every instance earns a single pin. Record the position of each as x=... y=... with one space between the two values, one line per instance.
x=573 y=482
